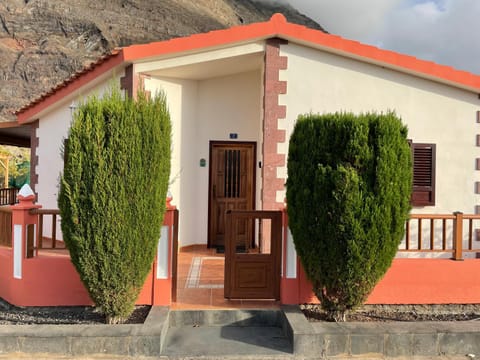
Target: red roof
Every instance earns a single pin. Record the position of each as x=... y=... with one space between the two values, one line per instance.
x=276 y=27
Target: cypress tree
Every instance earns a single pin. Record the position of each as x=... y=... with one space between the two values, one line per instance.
x=112 y=195
x=348 y=195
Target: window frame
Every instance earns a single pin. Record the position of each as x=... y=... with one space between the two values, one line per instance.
x=423 y=195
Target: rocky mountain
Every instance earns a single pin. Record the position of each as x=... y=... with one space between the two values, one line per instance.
x=42 y=42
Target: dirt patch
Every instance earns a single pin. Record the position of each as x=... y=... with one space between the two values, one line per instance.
x=61 y=315
x=385 y=313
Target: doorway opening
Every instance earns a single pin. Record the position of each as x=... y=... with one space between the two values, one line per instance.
x=201 y=270
x=231 y=185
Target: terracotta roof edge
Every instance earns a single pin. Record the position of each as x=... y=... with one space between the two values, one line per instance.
x=277 y=26
x=88 y=68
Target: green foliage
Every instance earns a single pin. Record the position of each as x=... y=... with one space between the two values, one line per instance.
x=112 y=195
x=18 y=166
x=348 y=195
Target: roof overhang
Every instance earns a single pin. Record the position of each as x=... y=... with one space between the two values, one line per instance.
x=72 y=88
x=165 y=54
x=204 y=65
x=14 y=134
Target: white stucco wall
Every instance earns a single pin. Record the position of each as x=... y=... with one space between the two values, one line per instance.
x=320 y=82
x=211 y=109
x=53 y=129
x=202 y=111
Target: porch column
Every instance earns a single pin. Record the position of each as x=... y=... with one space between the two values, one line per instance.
x=162 y=288
x=272 y=135
x=290 y=284
x=21 y=218
x=34 y=142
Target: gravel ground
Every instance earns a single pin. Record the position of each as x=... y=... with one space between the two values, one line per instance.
x=13 y=315
x=385 y=313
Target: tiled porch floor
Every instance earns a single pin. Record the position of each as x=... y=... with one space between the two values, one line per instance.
x=200 y=275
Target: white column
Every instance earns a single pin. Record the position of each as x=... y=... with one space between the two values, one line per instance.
x=17 y=251
x=163 y=254
x=291 y=257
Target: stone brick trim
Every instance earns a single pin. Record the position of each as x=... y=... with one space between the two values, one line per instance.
x=272 y=112
x=34 y=142
x=129 y=82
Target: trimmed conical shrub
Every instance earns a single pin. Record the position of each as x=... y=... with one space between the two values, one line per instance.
x=348 y=194
x=112 y=195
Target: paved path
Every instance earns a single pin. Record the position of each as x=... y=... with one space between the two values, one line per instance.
x=229 y=357
x=243 y=335
x=229 y=340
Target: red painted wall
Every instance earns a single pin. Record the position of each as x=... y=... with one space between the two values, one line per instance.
x=429 y=281
x=418 y=281
x=6 y=272
x=49 y=280
x=52 y=280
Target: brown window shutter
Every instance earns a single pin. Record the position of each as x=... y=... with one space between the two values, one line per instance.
x=423 y=174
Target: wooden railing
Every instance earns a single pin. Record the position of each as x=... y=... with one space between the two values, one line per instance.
x=8 y=196
x=43 y=242
x=5 y=226
x=441 y=233
x=453 y=234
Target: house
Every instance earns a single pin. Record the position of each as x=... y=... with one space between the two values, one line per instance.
x=234 y=96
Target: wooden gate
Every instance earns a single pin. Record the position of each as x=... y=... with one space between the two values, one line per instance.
x=253 y=254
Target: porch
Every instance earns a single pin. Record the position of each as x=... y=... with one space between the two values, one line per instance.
x=35 y=267
x=200 y=282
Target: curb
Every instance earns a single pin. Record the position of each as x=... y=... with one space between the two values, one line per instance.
x=309 y=340
x=384 y=339
x=80 y=340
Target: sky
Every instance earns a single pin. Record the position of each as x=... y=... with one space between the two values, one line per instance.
x=443 y=31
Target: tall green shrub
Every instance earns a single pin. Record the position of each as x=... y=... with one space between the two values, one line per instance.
x=348 y=195
x=112 y=195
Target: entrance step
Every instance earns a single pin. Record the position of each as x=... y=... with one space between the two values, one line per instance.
x=225 y=333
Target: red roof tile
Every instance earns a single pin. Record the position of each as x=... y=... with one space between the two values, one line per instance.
x=70 y=84
x=276 y=27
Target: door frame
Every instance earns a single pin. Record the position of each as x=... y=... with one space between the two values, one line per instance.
x=213 y=143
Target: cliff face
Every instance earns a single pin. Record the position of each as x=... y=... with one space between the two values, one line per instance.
x=42 y=42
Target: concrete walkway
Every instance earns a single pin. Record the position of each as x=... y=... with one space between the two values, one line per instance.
x=241 y=334
x=22 y=356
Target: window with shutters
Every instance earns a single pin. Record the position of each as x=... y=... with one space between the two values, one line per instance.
x=423 y=174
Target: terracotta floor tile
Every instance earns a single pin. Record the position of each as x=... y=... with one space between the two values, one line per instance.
x=193 y=293
x=206 y=282
x=227 y=304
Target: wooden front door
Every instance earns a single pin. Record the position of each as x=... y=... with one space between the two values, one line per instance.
x=253 y=272
x=232 y=185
